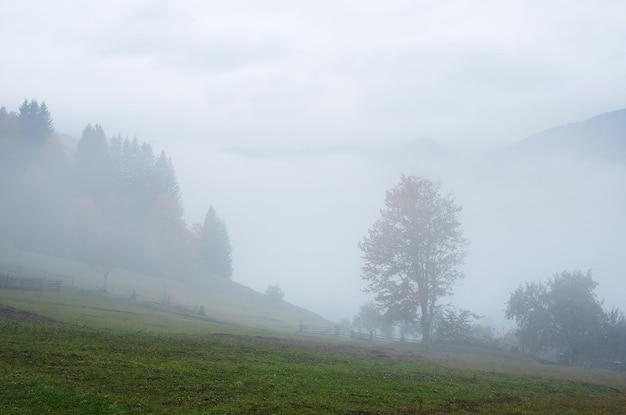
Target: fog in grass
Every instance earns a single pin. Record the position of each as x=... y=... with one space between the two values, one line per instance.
x=293 y=120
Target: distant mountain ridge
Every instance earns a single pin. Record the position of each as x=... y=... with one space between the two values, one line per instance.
x=601 y=137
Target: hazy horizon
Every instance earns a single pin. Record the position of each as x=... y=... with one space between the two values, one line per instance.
x=332 y=95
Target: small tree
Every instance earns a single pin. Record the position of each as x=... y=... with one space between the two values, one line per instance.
x=275 y=293
x=455 y=325
x=413 y=251
x=105 y=270
x=103 y=258
x=369 y=318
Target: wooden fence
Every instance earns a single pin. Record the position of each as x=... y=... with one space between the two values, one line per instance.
x=165 y=302
x=27 y=278
x=24 y=283
x=12 y=271
x=339 y=331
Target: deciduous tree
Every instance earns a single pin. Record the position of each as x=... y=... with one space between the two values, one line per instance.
x=369 y=319
x=455 y=325
x=563 y=314
x=275 y=293
x=413 y=252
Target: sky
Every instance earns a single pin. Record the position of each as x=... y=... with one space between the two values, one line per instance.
x=215 y=84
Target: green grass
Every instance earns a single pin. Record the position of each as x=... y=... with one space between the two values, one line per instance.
x=112 y=356
x=222 y=299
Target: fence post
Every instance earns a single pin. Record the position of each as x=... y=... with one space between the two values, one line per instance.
x=301 y=328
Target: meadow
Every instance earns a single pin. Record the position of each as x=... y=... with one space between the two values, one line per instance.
x=79 y=352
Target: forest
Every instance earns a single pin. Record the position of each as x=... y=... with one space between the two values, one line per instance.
x=108 y=202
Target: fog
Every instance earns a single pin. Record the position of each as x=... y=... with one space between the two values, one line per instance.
x=293 y=119
x=297 y=218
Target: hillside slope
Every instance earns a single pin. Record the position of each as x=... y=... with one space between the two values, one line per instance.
x=221 y=299
x=601 y=137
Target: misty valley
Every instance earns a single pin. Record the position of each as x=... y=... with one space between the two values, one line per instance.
x=367 y=279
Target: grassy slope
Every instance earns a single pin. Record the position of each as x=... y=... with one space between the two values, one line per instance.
x=120 y=357
x=222 y=299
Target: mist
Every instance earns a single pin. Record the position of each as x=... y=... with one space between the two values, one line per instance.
x=297 y=216
x=293 y=120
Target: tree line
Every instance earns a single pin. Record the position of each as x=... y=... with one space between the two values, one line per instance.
x=110 y=202
x=412 y=257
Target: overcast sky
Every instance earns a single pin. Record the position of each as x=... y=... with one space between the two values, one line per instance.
x=194 y=77
x=291 y=73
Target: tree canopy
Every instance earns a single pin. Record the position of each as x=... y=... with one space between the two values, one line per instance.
x=112 y=203
x=413 y=252
x=564 y=314
x=455 y=325
x=35 y=122
x=275 y=293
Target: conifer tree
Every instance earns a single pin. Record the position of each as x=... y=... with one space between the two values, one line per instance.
x=167 y=182
x=215 y=246
x=93 y=168
x=35 y=122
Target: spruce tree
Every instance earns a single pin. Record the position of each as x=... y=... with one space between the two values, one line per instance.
x=167 y=182
x=93 y=168
x=215 y=246
x=35 y=122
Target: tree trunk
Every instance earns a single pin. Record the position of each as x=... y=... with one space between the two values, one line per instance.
x=426 y=320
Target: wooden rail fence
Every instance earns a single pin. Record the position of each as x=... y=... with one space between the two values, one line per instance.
x=24 y=283
x=165 y=302
x=12 y=271
x=339 y=331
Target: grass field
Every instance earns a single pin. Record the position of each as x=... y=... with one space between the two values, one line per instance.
x=88 y=353
x=221 y=299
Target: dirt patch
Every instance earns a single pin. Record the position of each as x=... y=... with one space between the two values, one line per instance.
x=10 y=313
